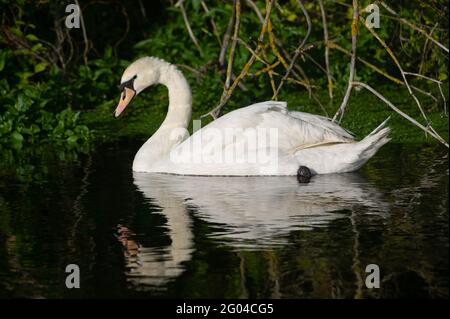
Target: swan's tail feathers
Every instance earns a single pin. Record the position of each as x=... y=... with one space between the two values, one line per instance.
x=380 y=127
x=372 y=142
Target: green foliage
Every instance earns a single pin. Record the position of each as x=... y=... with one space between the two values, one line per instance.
x=27 y=117
x=53 y=91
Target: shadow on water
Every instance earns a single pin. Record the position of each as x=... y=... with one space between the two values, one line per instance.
x=156 y=235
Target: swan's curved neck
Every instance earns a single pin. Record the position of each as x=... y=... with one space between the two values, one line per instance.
x=158 y=146
x=180 y=98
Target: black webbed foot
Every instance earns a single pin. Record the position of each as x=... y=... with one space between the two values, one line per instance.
x=303 y=174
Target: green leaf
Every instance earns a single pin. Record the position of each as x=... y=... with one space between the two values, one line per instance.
x=143 y=44
x=16 y=140
x=72 y=139
x=99 y=73
x=16 y=31
x=40 y=67
x=2 y=60
x=108 y=52
x=34 y=129
x=31 y=37
x=23 y=103
x=37 y=47
x=32 y=92
x=196 y=4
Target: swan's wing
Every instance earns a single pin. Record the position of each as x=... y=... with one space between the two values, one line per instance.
x=319 y=130
x=276 y=114
x=295 y=130
x=323 y=122
x=298 y=130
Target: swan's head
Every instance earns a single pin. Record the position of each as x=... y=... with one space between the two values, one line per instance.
x=139 y=75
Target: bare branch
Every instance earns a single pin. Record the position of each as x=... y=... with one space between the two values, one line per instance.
x=428 y=129
x=397 y=63
x=237 y=20
x=424 y=93
x=413 y=26
x=298 y=51
x=127 y=28
x=423 y=77
x=425 y=50
x=443 y=98
x=355 y=17
x=188 y=26
x=327 y=49
x=255 y=8
x=226 y=40
x=439 y=83
x=213 y=23
x=217 y=110
x=333 y=45
x=85 y=38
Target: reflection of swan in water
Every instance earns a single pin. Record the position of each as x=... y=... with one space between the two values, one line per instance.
x=257 y=210
x=155 y=266
x=245 y=212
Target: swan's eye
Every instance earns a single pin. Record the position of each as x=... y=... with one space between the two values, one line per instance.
x=128 y=84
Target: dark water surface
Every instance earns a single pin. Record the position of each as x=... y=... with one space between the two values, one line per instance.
x=147 y=235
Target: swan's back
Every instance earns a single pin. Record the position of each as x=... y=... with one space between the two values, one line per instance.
x=239 y=142
x=294 y=129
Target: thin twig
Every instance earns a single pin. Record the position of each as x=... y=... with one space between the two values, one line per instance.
x=443 y=98
x=333 y=45
x=126 y=31
x=60 y=38
x=256 y=55
x=213 y=23
x=423 y=77
x=413 y=26
x=406 y=116
x=355 y=16
x=269 y=67
x=298 y=51
x=297 y=67
x=378 y=70
x=85 y=38
x=318 y=65
x=217 y=110
x=270 y=72
x=226 y=40
x=273 y=45
x=223 y=50
x=190 y=69
x=188 y=26
x=439 y=83
x=23 y=44
x=425 y=93
x=425 y=49
x=327 y=49
x=237 y=20
x=397 y=63
x=71 y=49
x=255 y=8
x=143 y=12
x=266 y=68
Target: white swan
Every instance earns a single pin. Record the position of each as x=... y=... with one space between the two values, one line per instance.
x=260 y=139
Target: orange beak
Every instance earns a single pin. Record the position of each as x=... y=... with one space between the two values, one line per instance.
x=125 y=99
